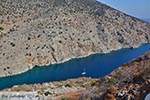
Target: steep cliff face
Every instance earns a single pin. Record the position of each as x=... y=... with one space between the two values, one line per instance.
x=42 y=32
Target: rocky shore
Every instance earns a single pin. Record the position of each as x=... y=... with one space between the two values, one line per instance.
x=44 y=32
x=129 y=82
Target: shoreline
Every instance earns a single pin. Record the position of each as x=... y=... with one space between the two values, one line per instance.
x=92 y=53
x=116 y=81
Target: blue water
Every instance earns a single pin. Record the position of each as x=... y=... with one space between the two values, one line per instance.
x=95 y=66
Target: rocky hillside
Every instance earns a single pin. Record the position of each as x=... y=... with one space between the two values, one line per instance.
x=43 y=32
x=130 y=82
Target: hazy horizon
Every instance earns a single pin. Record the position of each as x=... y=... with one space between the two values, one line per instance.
x=138 y=8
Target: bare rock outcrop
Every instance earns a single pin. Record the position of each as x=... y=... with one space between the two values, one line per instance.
x=43 y=32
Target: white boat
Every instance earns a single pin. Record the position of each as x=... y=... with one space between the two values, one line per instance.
x=84 y=72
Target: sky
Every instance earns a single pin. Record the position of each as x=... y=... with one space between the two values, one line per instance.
x=136 y=8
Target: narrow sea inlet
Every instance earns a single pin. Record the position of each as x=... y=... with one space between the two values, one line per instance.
x=95 y=66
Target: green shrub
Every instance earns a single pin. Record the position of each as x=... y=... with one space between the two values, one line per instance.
x=102 y=79
x=68 y=85
x=82 y=85
x=47 y=93
x=17 y=89
x=1 y=28
x=94 y=83
x=119 y=74
x=12 y=29
x=112 y=81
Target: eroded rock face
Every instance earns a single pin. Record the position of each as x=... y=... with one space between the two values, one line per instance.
x=43 y=32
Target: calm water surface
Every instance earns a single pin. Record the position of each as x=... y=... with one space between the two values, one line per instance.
x=96 y=66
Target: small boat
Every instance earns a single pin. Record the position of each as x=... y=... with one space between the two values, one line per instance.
x=84 y=72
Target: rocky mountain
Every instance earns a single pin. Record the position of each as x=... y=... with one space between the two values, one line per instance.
x=43 y=32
